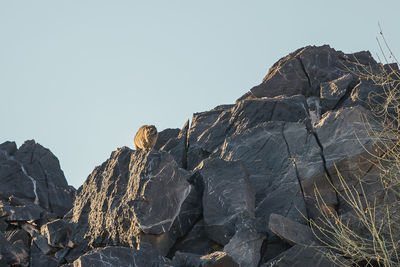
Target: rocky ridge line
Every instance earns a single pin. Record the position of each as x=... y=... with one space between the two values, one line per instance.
x=231 y=189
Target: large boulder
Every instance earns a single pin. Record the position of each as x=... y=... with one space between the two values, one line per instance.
x=177 y=146
x=164 y=136
x=227 y=197
x=135 y=196
x=245 y=246
x=272 y=174
x=196 y=242
x=12 y=254
x=291 y=231
x=347 y=150
x=200 y=123
x=33 y=173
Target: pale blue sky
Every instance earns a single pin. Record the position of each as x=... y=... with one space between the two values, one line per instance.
x=80 y=77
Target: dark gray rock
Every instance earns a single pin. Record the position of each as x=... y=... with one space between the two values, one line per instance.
x=334 y=92
x=3 y=261
x=191 y=213
x=8 y=147
x=195 y=155
x=14 y=255
x=227 y=197
x=344 y=133
x=164 y=136
x=278 y=155
x=40 y=242
x=19 y=236
x=14 y=181
x=51 y=186
x=75 y=252
x=33 y=173
x=186 y=259
x=200 y=123
x=177 y=146
x=345 y=145
x=245 y=246
x=307 y=70
x=23 y=211
x=60 y=255
x=303 y=150
x=203 y=120
x=367 y=94
x=214 y=136
x=196 y=242
x=122 y=256
x=134 y=194
x=3 y=224
x=218 y=259
x=30 y=228
x=265 y=154
x=249 y=113
x=39 y=259
x=322 y=64
x=286 y=77
x=57 y=233
x=291 y=231
x=300 y=256
x=272 y=247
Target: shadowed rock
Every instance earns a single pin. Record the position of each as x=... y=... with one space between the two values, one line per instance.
x=33 y=173
x=227 y=197
x=300 y=256
x=177 y=146
x=245 y=246
x=164 y=136
x=345 y=145
x=122 y=256
x=291 y=231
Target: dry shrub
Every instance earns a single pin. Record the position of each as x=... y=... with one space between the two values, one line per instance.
x=369 y=235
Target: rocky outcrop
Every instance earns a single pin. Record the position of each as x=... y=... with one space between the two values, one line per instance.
x=135 y=196
x=33 y=192
x=33 y=173
x=236 y=187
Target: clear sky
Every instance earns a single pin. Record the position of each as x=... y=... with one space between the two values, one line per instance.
x=80 y=77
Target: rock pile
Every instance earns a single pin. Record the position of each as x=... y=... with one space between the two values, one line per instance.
x=235 y=188
x=34 y=195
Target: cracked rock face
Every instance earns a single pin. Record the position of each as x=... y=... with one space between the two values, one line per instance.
x=307 y=69
x=134 y=193
x=33 y=191
x=227 y=197
x=122 y=256
x=346 y=147
x=33 y=173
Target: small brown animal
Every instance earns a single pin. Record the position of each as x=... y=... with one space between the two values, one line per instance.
x=146 y=137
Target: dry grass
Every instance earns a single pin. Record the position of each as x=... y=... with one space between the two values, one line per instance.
x=369 y=234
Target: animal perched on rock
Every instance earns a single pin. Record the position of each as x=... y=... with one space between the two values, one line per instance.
x=146 y=137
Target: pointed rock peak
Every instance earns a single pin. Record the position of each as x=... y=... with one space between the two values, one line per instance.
x=304 y=70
